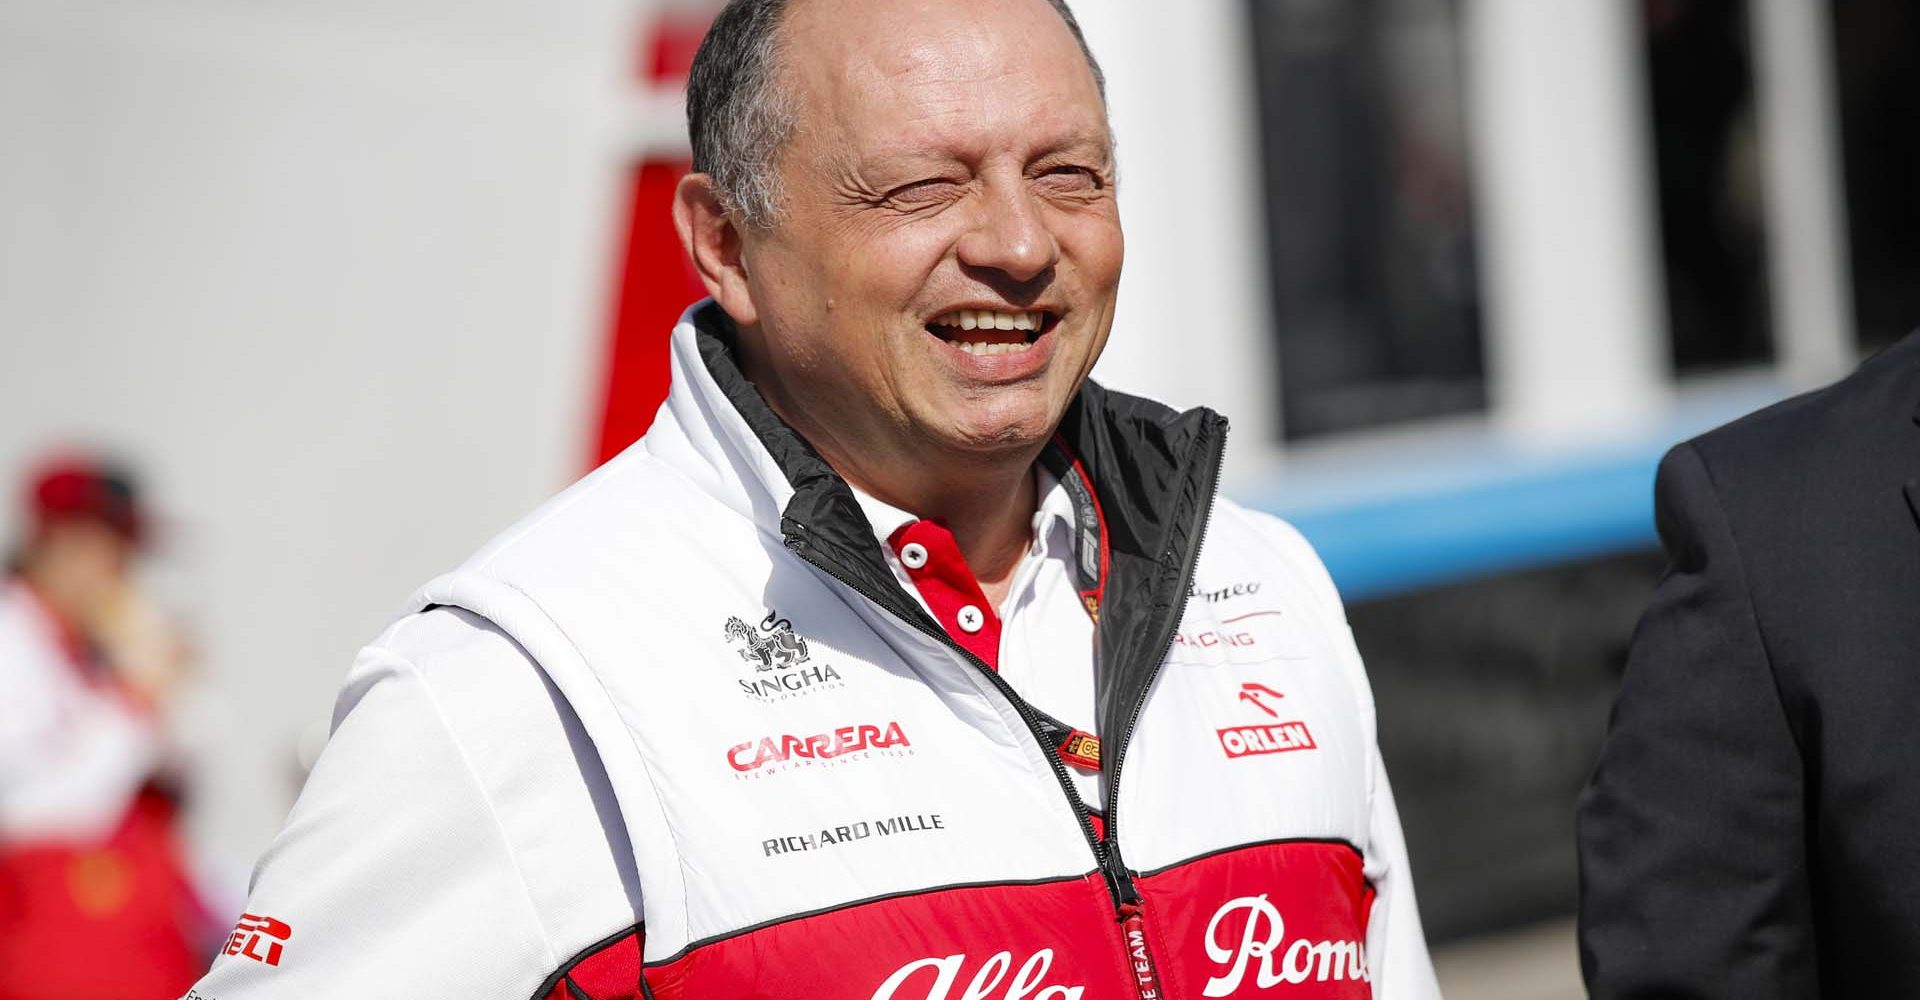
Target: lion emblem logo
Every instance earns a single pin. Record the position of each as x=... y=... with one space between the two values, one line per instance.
x=772 y=646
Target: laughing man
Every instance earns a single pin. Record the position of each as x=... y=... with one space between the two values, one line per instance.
x=898 y=661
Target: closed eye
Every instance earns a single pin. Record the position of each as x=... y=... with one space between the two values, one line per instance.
x=1068 y=177
x=924 y=192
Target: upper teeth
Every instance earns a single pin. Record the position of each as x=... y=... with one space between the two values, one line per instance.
x=988 y=319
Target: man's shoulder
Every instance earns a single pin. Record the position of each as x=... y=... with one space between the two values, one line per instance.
x=458 y=686
x=1274 y=545
x=471 y=675
x=451 y=793
x=1842 y=430
x=1275 y=531
x=443 y=642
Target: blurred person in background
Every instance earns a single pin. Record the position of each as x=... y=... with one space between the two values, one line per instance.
x=95 y=903
x=1753 y=827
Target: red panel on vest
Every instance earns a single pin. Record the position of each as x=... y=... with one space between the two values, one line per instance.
x=1274 y=920
x=1256 y=921
x=934 y=563
x=926 y=947
x=612 y=973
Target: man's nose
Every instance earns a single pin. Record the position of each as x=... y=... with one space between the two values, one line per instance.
x=1010 y=235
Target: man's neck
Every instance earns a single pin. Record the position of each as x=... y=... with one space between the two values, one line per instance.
x=990 y=516
x=986 y=500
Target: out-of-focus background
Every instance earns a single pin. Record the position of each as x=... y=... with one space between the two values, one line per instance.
x=354 y=283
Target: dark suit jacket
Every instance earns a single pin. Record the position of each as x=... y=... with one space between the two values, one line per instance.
x=1752 y=829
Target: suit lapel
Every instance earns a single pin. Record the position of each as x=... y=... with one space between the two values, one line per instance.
x=1912 y=489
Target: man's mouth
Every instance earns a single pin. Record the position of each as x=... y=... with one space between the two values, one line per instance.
x=987 y=332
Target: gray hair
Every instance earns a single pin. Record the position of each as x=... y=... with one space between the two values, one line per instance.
x=738 y=118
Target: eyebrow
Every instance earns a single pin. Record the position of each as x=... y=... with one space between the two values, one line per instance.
x=1094 y=142
x=896 y=157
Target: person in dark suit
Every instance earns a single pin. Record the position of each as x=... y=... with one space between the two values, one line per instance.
x=1752 y=829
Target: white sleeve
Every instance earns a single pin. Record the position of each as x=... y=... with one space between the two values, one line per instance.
x=1396 y=943
x=449 y=842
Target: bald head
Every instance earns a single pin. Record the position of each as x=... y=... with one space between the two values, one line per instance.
x=742 y=106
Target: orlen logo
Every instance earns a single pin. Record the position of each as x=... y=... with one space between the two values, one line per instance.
x=1259 y=951
x=1277 y=737
x=946 y=971
x=768 y=750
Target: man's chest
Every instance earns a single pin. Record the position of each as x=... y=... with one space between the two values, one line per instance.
x=812 y=782
x=809 y=749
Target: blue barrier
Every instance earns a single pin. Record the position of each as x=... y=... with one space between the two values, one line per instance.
x=1458 y=506
x=1527 y=518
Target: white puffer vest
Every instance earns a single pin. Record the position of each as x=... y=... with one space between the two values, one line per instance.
x=828 y=798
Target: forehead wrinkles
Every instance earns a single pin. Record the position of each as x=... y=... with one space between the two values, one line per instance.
x=952 y=81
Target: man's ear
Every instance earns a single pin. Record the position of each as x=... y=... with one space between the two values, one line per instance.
x=712 y=242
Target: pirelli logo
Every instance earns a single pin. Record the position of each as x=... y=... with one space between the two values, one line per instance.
x=259 y=938
x=1276 y=737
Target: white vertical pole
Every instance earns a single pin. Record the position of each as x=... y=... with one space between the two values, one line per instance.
x=1807 y=257
x=1575 y=307
x=1193 y=325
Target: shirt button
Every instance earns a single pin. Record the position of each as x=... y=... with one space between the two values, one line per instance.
x=971 y=620
x=914 y=555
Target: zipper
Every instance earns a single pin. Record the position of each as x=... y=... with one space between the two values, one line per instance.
x=1133 y=933
x=1192 y=559
x=1126 y=896
x=1128 y=911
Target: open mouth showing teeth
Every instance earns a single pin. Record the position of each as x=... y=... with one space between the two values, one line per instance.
x=986 y=332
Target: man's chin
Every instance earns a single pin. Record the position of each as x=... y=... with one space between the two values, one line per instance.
x=999 y=434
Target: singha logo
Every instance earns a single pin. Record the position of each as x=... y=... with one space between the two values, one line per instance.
x=773 y=645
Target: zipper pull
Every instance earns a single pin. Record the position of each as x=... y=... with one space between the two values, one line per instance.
x=1126 y=898
x=1133 y=938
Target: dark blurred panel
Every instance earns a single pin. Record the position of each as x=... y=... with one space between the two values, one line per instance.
x=1493 y=697
x=1369 y=222
x=1877 y=55
x=1713 y=242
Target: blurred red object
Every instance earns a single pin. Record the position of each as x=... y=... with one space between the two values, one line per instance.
x=657 y=283
x=671 y=41
x=106 y=921
x=656 y=280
